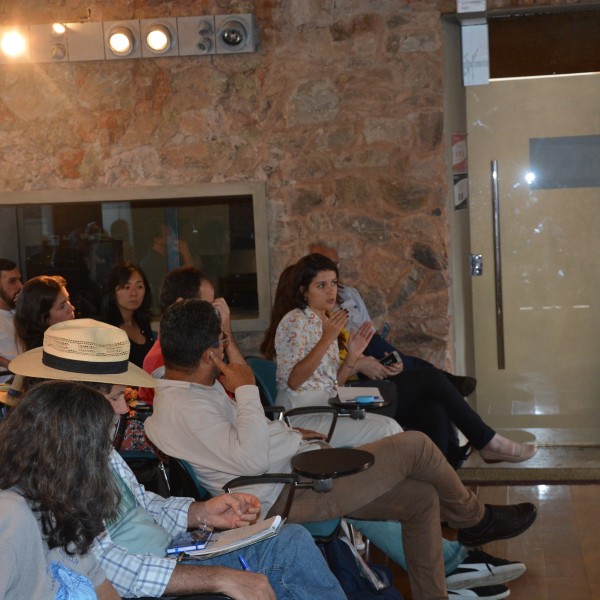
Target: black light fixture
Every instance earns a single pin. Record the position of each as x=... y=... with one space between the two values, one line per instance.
x=236 y=34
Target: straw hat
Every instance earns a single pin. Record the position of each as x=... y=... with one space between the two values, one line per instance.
x=82 y=350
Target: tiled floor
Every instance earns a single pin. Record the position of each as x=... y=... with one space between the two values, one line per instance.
x=561 y=550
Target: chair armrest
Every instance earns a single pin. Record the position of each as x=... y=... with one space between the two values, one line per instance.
x=275 y=411
x=291 y=479
x=307 y=410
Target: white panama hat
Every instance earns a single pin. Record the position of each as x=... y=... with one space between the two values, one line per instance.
x=82 y=350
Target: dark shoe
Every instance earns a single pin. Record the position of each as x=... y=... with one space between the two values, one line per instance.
x=465 y=385
x=482 y=569
x=499 y=523
x=489 y=592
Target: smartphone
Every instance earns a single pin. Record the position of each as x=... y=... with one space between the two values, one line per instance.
x=391 y=359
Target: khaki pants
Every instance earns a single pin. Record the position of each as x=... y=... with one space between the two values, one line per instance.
x=410 y=482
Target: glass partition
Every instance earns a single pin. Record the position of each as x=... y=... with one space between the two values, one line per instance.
x=224 y=234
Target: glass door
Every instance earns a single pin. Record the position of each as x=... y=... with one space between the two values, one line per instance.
x=537 y=343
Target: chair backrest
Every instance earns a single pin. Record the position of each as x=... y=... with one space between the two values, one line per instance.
x=264 y=372
x=183 y=481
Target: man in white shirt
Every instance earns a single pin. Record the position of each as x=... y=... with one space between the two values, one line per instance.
x=11 y=284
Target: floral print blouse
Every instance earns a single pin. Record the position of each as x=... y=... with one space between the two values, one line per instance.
x=297 y=334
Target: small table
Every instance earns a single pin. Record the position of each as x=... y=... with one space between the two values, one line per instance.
x=322 y=466
x=356 y=410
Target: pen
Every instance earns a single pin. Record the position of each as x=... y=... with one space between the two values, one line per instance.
x=244 y=563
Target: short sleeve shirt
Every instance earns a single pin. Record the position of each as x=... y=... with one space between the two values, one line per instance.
x=297 y=334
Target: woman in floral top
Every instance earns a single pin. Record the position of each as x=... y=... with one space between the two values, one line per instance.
x=305 y=341
x=308 y=364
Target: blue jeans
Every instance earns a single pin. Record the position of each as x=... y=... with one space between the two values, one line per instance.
x=291 y=561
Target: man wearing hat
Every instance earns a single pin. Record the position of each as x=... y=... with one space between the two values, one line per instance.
x=132 y=548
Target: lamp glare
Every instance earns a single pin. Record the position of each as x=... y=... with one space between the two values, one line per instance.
x=13 y=44
x=121 y=41
x=159 y=39
x=58 y=28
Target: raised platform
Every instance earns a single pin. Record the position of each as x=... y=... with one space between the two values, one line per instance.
x=566 y=465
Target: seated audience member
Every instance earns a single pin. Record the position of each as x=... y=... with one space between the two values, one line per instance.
x=410 y=480
x=425 y=399
x=127 y=303
x=131 y=549
x=11 y=284
x=50 y=516
x=312 y=350
x=179 y=284
x=378 y=347
x=43 y=301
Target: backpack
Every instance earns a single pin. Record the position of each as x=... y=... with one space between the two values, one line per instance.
x=359 y=580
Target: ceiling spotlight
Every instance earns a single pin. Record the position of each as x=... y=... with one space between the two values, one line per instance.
x=233 y=33
x=58 y=29
x=236 y=33
x=159 y=37
x=121 y=39
x=13 y=44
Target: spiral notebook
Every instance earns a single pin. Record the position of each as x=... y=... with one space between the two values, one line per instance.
x=232 y=539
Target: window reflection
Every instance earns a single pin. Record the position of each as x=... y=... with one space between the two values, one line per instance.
x=82 y=242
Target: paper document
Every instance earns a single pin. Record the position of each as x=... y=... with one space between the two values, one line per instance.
x=232 y=539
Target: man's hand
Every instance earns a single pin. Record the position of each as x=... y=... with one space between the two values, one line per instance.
x=373 y=369
x=223 y=310
x=309 y=434
x=228 y=511
x=233 y=375
x=237 y=584
x=243 y=585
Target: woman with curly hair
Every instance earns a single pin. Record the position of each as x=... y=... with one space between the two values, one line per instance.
x=55 y=491
x=127 y=304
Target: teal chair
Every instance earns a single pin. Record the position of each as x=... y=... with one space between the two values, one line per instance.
x=264 y=372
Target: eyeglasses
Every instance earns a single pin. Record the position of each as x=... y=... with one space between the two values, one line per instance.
x=224 y=340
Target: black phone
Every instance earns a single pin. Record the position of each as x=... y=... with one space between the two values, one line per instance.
x=391 y=359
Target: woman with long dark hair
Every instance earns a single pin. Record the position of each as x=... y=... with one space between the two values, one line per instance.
x=127 y=303
x=308 y=360
x=56 y=489
x=43 y=301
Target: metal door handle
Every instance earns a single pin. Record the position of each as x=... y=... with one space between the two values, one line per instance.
x=497 y=265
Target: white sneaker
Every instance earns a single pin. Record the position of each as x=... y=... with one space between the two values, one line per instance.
x=482 y=569
x=489 y=592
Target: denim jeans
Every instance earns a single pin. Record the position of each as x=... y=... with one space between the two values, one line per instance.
x=292 y=562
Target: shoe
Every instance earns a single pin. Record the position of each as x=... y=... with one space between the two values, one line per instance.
x=499 y=523
x=501 y=449
x=489 y=592
x=480 y=568
x=465 y=385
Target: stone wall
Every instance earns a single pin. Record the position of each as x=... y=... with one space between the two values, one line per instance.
x=340 y=113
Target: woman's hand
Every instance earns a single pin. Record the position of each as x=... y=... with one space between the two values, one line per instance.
x=359 y=340
x=332 y=326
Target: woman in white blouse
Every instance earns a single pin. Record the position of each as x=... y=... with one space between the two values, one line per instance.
x=303 y=337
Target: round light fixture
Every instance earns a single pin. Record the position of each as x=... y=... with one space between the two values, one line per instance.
x=13 y=44
x=58 y=29
x=159 y=39
x=121 y=41
x=233 y=33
